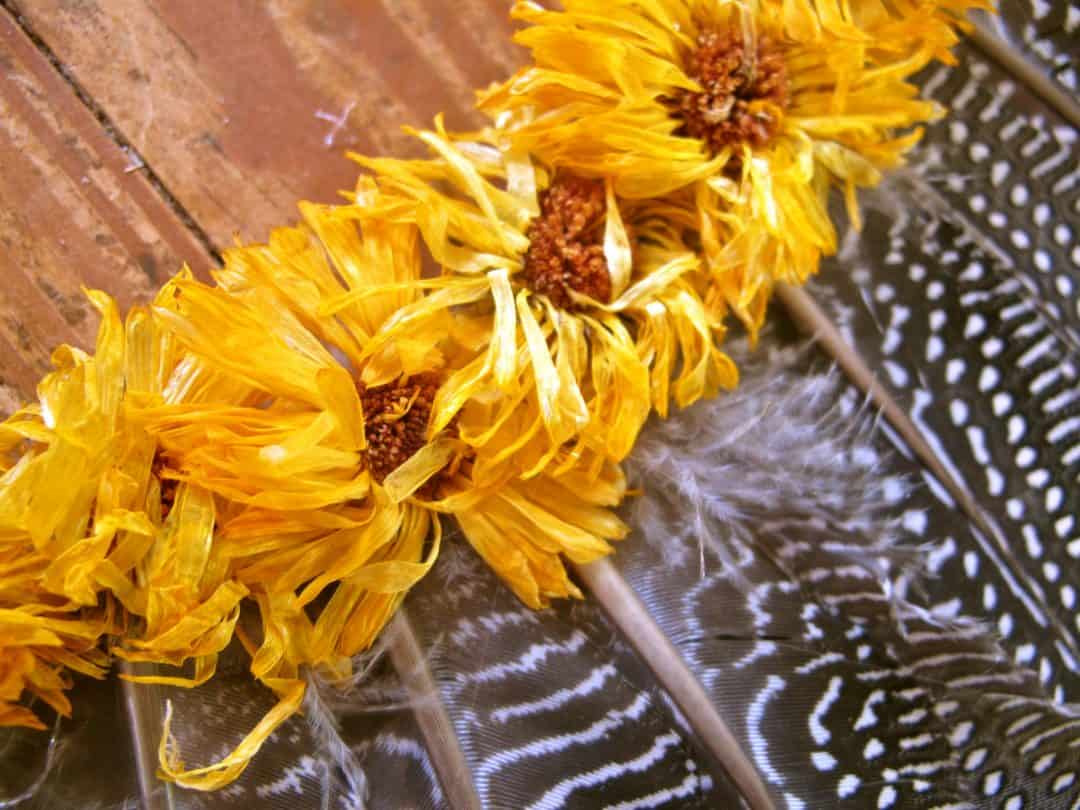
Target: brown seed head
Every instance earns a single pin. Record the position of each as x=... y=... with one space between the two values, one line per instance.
x=396 y=420
x=721 y=115
x=566 y=242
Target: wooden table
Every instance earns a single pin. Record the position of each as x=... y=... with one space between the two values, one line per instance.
x=136 y=135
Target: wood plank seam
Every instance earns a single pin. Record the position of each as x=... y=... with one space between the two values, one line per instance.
x=112 y=131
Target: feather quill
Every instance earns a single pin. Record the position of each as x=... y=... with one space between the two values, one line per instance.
x=1037 y=40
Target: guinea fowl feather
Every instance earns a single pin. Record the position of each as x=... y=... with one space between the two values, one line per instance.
x=865 y=640
x=341 y=761
x=551 y=708
x=842 y=681
x=971 y=315
x=1043 y=33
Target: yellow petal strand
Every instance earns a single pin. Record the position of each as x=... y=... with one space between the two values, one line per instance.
x=110 y=352
x=348 y=560
x=418 y=469
x=395 y=576
x=503 y=335
x=410 y=319
x=252 y=338
x=343 y=402
x=477 y=188
x=571 y=346
x=657 y=344
x=557 y=499
x=504 y=558
x=150 y=353
x=648 y=288
x=622 y=380
x=578 y=544
x=548 y=383
x=193 y=518
x=194 y=623
x=521 y=181
x=226 y=770
x=616 y=244
x=356 y=613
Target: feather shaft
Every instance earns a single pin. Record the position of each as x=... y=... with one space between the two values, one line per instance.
x=632 y=617
x=435 y=725
x=142 y=705
x=984 y=38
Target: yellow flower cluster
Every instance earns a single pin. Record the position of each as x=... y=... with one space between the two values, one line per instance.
x=741 y=113
x=480 y=334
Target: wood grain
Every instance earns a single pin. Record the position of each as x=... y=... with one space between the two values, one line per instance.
x=136 y=135
x=75 y=209
x=245 y=107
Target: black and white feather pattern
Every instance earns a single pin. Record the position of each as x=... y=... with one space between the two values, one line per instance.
x=319 y=760
x=552 y=708
x=1044 y=32
x=1004 y=165
x=963 y=293
x=848 y=686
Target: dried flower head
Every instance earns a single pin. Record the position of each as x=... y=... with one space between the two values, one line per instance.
x=566 y=243
x=584 y=328
x=744 y=91
x=741 y=114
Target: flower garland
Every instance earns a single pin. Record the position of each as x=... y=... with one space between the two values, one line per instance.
x=292 y=435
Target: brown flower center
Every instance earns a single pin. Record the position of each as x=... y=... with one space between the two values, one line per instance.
x=729 y=111
x=396 y=420
x=566 y=243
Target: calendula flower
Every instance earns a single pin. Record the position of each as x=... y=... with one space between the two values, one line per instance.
x=81 y=503
x=42 y=640
x=274 y=502
x=583 y=308
x=744 y=112
x=93 y=519
x=69 y=503
x=340 y=467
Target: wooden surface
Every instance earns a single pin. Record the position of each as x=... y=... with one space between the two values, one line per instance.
x=137 y=135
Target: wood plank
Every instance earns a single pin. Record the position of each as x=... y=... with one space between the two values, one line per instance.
x=121 y=120
x=244 y=108
x=75 y=209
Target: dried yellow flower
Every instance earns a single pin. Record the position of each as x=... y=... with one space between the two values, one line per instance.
x=743 y=113
x=582 y=307
x=340 y=465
